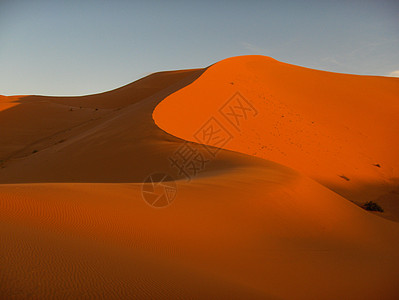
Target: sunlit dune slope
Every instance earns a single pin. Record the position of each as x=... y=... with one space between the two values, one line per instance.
x=341 y=130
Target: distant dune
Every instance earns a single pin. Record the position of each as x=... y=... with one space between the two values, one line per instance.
x=270 y=164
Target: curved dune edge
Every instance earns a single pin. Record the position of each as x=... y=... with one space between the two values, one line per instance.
x=247 y=228
x=328 y=126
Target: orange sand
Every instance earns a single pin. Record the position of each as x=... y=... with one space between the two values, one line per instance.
x=325 y=125
x=268 y=225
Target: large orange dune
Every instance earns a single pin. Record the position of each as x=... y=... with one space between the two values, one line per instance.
x=341 y=130
x=284 y=157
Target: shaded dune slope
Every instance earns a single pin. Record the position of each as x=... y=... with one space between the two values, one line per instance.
x=244 y=227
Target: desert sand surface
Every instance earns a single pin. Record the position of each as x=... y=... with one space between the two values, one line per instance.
x=341 y=130
x=271 y=211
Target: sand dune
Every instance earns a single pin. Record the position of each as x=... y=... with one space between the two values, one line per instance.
x=260 y=220
x=84 y=139
x=341 y=130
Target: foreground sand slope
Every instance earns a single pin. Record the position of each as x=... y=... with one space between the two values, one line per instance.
x=256 y=232
x=244 y=227
x=341 y=130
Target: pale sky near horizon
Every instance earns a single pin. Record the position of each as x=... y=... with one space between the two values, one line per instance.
x=83 y=47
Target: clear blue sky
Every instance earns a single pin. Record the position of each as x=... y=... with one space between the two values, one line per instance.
x=81 y=47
